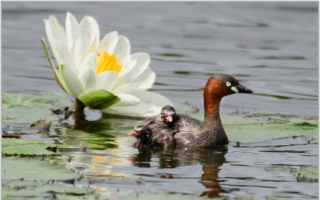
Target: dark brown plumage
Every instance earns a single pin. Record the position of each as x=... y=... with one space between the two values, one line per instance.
x=146 y=139
x=165 y=122
x=210 y=132
x=157 y=131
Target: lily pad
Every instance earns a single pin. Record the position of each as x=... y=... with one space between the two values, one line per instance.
x=29 y=169
x=258 y=128
x=161 y=196
x=307 y=174
x=40 y=190
x=27 y=108
x=25 y=147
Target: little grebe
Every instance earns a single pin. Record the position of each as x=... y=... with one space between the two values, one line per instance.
x=210 y=132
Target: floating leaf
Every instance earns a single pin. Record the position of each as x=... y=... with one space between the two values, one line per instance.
x=308 y=174
x=161 y=196
x=29 y=169
x=24 y=189
x=25 y=147
x=253 y=129
x=39 y=179
x=26 y=108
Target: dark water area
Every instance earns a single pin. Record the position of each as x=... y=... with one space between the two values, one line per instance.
x=270 y=47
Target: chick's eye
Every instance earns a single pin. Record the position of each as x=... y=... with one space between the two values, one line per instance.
x=228 y=84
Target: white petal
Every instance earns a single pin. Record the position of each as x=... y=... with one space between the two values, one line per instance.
x=91 y=84
x=95 y=31
x=127 y=100
x=107 y=80
x=143 y=60
x=146 y=79
x=64 y=57
x=52 y=40
x=90 y=62
x=73 y=83
x=108 y=43
x=128 y=88
x=72 y=30
x=125 y=60
x=92 y=47
x=127 y=66
x=123 y=47
x=57 y=30
x=82 y=53
x=83 y=75
x=150 y=104
x=89 y=30
x=79 y=53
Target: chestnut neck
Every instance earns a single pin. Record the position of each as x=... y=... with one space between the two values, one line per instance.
x=213 y=93
x=211 y=108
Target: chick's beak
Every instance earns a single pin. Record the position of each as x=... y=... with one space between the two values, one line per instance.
x=169 y=118
x=242 y=89
x=134 y=133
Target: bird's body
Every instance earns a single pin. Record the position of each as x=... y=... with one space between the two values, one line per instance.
x=186 y=130
x=193 y=132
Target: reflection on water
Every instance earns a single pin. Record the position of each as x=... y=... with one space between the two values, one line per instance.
x=211 y=160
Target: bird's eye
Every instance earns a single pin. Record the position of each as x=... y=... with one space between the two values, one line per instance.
x=228 y=84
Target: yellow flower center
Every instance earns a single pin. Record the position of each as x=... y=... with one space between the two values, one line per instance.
x=107 y=62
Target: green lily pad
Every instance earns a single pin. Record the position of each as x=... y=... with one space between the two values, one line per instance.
x=26 y=108
x=161 y=196
x=25 y=147
x=99 y=99
x=40 y=190
x=253 y=129
x=272 y=198
x=29 y=169
x=308 y=174
x=48 y=191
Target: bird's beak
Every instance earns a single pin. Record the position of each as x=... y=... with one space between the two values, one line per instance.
x=169 y=118
x=134 y=133
x=241 y=89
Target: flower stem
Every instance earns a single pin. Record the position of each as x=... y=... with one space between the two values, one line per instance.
x=78 y=106
x=52 y=65
x=46 y=51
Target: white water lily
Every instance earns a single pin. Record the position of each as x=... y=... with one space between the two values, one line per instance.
x=102 y=74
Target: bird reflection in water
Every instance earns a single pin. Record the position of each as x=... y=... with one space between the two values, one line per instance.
x=211 y=159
